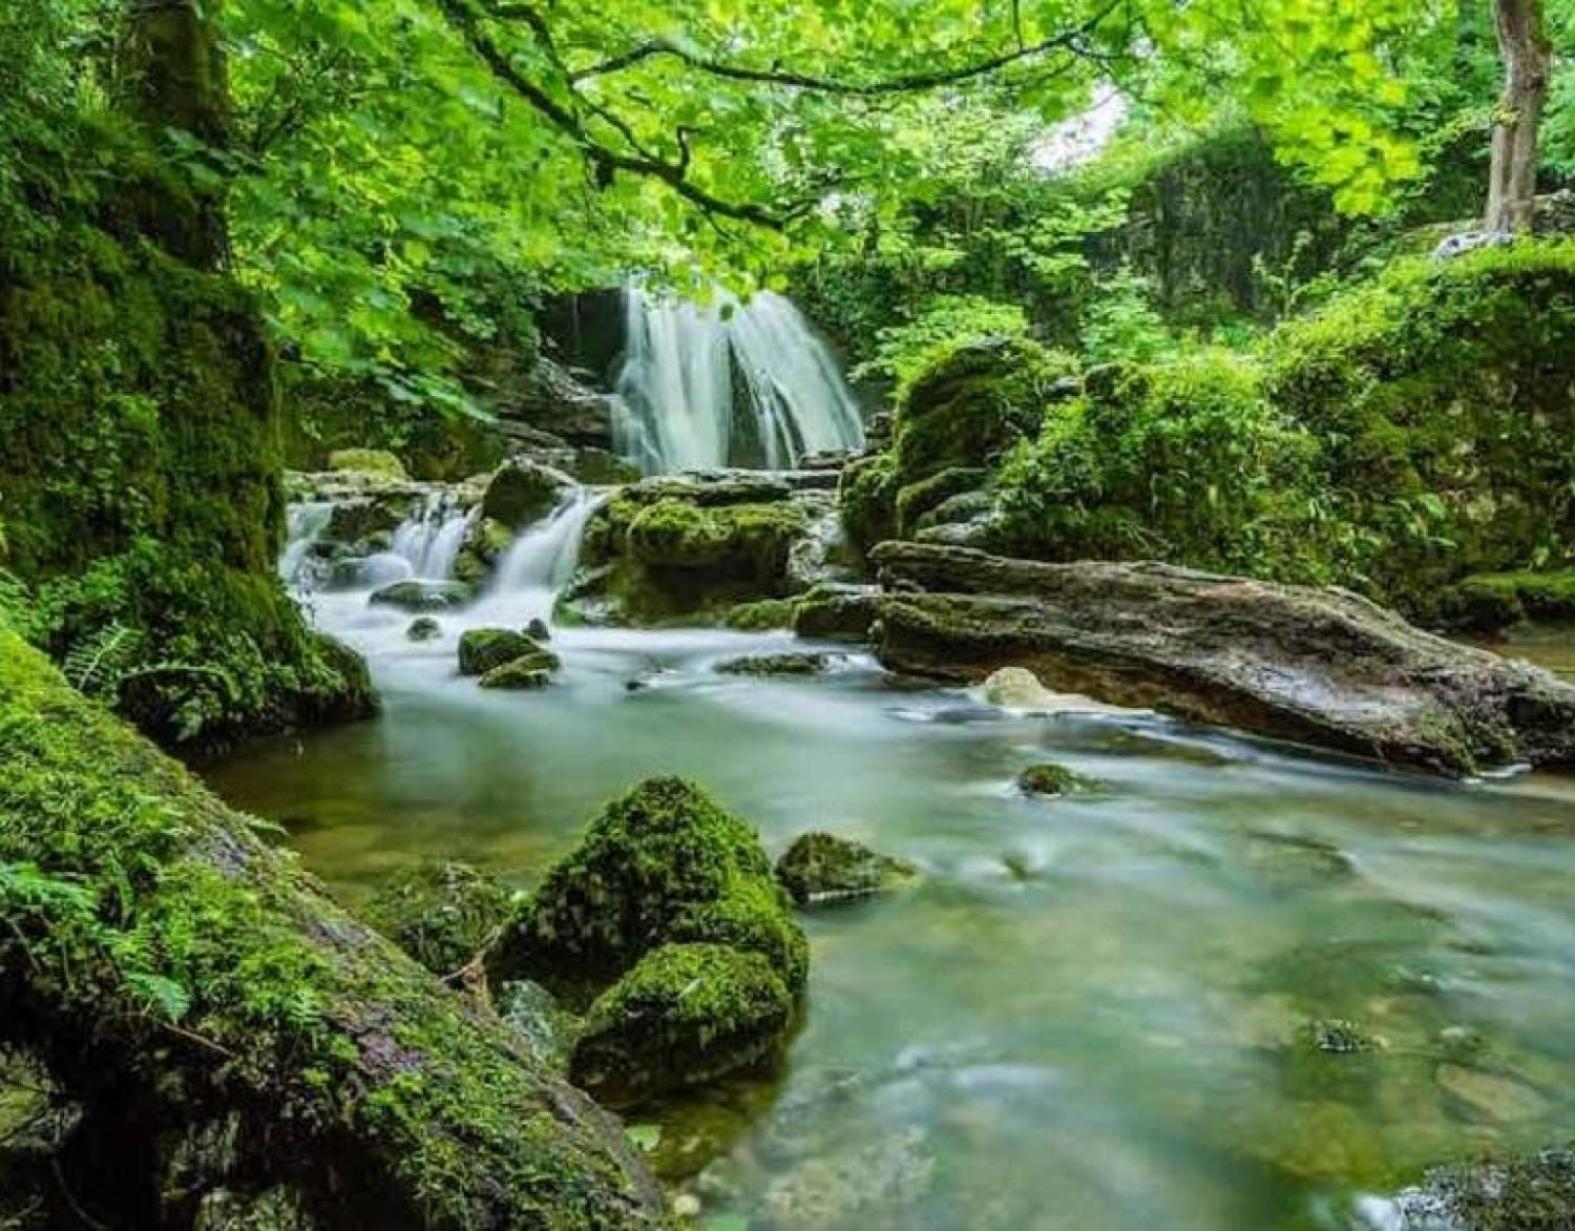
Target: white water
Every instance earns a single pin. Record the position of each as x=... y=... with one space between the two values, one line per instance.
x=679 y=401
x=305 y=524
x=430 y=539
x=545 y=556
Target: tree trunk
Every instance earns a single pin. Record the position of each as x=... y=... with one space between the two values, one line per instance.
x=171 y=75
x=186 y=983
x=1512 y=185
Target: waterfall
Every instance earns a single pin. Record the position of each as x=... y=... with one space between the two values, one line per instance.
x=304 y=526
x=546 y=555
x=727 y=384
x=431 y=537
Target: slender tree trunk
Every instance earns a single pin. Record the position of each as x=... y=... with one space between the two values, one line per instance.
x=171 y=76
x=1512 y=185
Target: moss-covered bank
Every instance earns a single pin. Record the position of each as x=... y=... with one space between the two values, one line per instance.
x=177 y=975
x=143 y=510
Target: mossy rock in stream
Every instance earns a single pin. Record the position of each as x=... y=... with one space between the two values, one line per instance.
x=1534 y=1192
x=665 y=864
x=821 y=867
x=1050 y=779
x=527 y=673
x=423 y=595
x=685 y=1015
x=442 y=914
x=485 y=649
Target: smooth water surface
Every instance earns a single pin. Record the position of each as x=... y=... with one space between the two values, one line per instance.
x=1090 y=1014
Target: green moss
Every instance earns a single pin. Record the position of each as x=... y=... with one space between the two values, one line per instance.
x=761 y=616
x=663 y=864
x=442 y=914
x=1488 y=602
x=526 y=673
x=368 y=461
x=867 y=499
x=926 y=495
x=1048 y=778
x=686 y=1014
x=143 y=501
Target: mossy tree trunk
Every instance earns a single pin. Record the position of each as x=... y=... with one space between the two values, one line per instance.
x=171 y=76
x=1512 y=179
x=187 y=984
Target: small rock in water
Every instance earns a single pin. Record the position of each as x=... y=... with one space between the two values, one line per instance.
x=483 y=649
x=423 y=595
x=537 y=630
x=821 y=867
x=1052 y=779
x=523 y=674
x=1017 y=688
x=776 y=664
x=424 y=628
x=1339 y=1037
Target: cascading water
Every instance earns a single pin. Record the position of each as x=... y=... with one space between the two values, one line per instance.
x=305 y=525
x=544 y=557
x=431 y=538
x=731 y=383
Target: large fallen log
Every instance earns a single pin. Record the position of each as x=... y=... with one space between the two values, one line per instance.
x=203 y=999
x=1318 y=666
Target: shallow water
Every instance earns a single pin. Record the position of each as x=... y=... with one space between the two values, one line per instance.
x=1088 y=1015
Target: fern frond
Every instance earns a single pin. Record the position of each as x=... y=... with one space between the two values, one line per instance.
x=97 y=664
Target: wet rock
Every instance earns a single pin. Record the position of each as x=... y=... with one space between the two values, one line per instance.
x=537 y=630
x=522 y=492
x=776 y=664
x=837 y=613
x=484 y=649
x=685 y=1015
x=1499 y=1097
x=1339 y=1037
x=524 y=674
x=368 y=461
x=546 y=1026
x=762 y=616
x=822 y=867
x=424 y=628
x=442 y=914
x=1048 y=778
x=1317 y=666
x=423 y=595
x=486 y=542
x=1531 y=1193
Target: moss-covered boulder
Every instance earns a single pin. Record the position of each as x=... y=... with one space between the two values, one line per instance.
x=761 y=616
x=377 y=462
x=483 y=649
x=487 y=540
x=414 y=595
x=686 y=550
x=1533 y=1192
x=822 y=867
x=423 y=628
x=665 y=864
x=521 y=492
x=685 y=1015
x=800 y=663
x=442 y=914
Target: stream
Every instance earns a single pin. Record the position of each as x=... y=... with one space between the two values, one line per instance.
x=1092 y=1013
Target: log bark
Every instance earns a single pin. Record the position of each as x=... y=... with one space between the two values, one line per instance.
x=1528 y=57
x=185 y=981
x=1322 y=667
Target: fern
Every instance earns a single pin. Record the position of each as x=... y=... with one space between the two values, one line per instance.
x=97 y=665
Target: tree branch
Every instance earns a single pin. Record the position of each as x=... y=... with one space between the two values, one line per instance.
x=1068 y=40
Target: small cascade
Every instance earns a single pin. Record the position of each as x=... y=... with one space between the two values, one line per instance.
x=431 y=538
x=545 y=556
x=727 y=384
x=304 y=526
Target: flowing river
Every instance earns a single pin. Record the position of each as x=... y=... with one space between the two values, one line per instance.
x=1092 y=1013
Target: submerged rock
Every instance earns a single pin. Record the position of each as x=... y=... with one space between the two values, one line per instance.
x=1317 y=666
x=798 y=663
x=524 y=674
x=442 y=914
x=1048 y=778
x=821 y=867
x=1532 y=1193
x=482 y=650
x=423 y=595
x=685 y=1014
x=1338 y=1037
